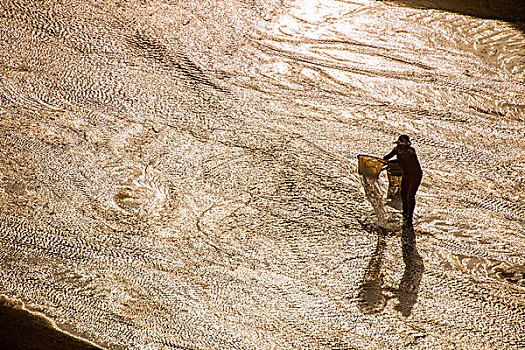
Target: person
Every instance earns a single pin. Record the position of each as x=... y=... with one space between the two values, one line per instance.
x=411 y=175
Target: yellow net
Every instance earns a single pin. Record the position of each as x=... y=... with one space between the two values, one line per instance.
x=370 y=166
x=395 y=176
x=394 y=180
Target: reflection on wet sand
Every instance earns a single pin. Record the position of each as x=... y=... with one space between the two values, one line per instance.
x=373 y=295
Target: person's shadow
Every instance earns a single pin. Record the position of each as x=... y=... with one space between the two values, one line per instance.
x=373 y=295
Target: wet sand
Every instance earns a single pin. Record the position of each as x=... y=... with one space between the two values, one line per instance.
x=169 y=179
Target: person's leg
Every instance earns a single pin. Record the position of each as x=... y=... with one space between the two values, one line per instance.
x=413 y=183
x=404 y=196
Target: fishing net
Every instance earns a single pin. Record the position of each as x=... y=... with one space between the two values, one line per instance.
x=369 y=167
x=393 y=194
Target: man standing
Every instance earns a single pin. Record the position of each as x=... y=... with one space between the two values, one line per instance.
x=412 y=175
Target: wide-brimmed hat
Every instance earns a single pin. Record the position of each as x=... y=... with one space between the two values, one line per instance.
x=403 y=140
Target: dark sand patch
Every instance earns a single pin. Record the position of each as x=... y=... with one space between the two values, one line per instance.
x=26 y=330
x=490 y=9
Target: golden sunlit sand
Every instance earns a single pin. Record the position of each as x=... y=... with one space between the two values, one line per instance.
x=184 y=174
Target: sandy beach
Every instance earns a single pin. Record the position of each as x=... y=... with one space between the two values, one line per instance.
x=183 y=174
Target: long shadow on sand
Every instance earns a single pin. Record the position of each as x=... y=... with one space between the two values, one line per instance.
x=414 y=268
x=373 y=295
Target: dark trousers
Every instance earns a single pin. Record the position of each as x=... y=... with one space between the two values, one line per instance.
x=409 y=185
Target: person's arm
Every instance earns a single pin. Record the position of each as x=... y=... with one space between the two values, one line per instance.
x=390 y=155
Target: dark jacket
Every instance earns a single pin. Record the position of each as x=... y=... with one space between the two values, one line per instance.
x=407 y=159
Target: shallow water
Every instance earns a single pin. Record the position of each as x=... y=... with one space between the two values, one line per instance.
x=171 y=179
